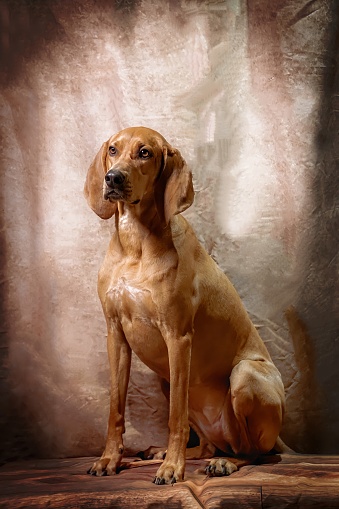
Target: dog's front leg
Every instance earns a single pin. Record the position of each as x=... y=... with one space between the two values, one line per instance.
x=179 y=355
x=119 y=354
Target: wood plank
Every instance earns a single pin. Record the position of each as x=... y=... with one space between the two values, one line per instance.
x=301 y=481
x=123 y=499
x=299 y=497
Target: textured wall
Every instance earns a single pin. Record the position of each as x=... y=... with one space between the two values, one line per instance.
x=248 y=91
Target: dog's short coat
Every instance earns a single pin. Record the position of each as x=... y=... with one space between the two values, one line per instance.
x=166 y=299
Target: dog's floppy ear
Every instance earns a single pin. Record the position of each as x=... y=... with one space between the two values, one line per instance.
x=93 y=189
x=178 y=192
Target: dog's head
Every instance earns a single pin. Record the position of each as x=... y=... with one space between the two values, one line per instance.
x=137 y=165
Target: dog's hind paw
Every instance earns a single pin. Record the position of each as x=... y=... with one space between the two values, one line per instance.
x=153 y=453
x=219 y=467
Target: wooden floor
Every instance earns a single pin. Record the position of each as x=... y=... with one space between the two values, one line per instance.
x=287 y=481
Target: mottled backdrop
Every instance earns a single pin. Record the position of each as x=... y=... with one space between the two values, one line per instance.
x=248 y=91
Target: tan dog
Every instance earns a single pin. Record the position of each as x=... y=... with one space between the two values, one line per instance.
x=166 y=299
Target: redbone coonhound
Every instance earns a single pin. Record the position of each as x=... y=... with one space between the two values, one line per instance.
x=166 y=299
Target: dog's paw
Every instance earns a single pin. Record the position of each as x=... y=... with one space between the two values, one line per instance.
x=153 y=453
x=168 y=474
x=104 y=467
x=219 y=467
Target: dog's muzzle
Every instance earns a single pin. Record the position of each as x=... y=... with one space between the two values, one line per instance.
x=115 y=182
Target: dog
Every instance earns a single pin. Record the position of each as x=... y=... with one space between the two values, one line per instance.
x=165 y=298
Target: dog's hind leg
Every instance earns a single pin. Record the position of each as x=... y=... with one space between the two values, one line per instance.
x=205 y=449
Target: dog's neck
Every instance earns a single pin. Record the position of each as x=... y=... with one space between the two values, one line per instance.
x=141 y=231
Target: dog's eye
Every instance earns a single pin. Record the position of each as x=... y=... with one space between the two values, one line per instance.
x=144 y=153
x=112 y=151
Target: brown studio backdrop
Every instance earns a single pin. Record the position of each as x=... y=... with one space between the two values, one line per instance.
x=248 y=91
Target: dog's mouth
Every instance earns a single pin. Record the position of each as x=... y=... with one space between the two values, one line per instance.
x=118 y=195
x=113 y=194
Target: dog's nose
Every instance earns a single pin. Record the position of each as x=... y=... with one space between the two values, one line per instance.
x=114 y=178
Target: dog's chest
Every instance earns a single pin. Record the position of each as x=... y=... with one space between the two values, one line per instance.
x=133 y=305
x=128 y=299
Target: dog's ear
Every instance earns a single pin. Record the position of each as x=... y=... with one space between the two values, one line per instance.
x=93 y=189
x=178 y=184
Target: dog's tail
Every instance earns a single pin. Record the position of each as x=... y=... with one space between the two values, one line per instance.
x=281 y=448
